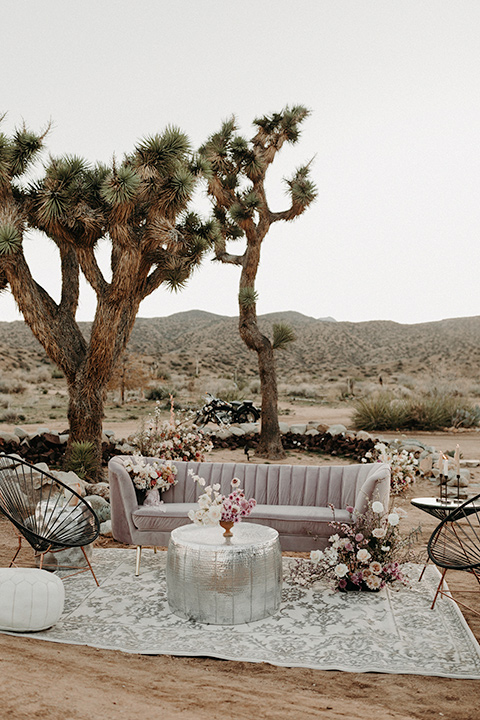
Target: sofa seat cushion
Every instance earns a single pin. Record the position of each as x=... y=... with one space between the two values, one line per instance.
x=298 y=519
x=162 y=518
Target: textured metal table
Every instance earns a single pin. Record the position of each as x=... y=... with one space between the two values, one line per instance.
x=224 y=581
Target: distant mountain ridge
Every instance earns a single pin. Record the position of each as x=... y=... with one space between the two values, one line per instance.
x=323 y=346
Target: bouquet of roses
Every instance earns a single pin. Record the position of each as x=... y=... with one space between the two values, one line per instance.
x=362 y=555
x=150 y=476
x=214 y=507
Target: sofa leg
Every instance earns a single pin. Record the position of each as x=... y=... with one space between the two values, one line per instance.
x=137 y=562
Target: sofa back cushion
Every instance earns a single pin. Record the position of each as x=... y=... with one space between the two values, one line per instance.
x=275 y=484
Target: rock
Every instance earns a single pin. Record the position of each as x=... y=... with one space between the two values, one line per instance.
x=21 y=433
x=126 y=449
x=364 y=435
x=322 y=428
x=109 y=433
x=106 y=528
x=63 y=439
x=223 y=433
x=463 y=481
x=234 y=430
x=250 y=428
x=101 y=488
x=284 y=427
x=100 y=506
x=9 y=437
x=299 y=429
x=312 y=432
x=425 y=464
x=469 y=463
x=337 y=430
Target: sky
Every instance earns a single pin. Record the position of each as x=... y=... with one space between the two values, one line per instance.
x=394 y=133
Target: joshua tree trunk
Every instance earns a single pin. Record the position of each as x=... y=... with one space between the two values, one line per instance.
x=270 y=444
x=85 y=415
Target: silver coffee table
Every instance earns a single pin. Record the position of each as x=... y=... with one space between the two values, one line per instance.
x=224 y=581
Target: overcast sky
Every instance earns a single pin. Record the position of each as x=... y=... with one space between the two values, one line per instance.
x=394 y=91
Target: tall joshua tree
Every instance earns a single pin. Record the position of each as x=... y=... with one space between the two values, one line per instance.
x=236 y=187
x=139 y=207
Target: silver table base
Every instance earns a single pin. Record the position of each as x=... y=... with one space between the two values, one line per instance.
x=224 y=581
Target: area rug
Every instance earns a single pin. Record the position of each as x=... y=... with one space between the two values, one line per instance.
x=393 y=631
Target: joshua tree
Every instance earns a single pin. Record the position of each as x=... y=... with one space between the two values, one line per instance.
x=139 y=207
x=237 y=188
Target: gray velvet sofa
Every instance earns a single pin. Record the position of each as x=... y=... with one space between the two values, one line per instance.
x=293 y=499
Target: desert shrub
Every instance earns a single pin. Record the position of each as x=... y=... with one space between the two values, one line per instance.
x=302 y=391
x=231 y=394
x=12 y=387
x=254 y=387
x=382 y=411
x=12 y=417
x=57 y=373
x=82 y=460
x=160 y=393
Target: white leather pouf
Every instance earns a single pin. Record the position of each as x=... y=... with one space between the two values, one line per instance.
x=30 y=599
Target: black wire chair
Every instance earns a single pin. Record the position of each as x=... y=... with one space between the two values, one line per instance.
x=46 y=512
x=455 y=544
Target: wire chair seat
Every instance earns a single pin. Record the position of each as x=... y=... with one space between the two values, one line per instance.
x=455 y=543
x=49 y=514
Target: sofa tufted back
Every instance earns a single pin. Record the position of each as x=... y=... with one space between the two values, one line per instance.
x=307 y=485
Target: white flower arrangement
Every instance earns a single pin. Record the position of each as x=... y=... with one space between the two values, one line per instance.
x=403 y=464
x=213 y=507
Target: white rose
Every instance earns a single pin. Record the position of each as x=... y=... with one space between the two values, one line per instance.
x=377 y=507
x=215 y=513
x=363 y=555
x=341 y=570
x=379 y=532
x=393 y=519
x=316 y=556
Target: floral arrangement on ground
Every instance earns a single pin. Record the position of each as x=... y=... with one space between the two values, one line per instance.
x=215 y=507
x=364 y=555
x=403 y=464
x=171 y=439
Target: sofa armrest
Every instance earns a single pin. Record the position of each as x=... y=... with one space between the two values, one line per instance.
x=375 y=487
x=123 y=501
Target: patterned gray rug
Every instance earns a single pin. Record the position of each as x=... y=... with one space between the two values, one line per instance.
x=393 y=631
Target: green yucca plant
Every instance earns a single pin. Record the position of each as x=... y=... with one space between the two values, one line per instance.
x=83 y=460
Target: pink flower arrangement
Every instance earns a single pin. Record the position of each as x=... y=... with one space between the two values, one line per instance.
x=214 y=507
x=362 y=555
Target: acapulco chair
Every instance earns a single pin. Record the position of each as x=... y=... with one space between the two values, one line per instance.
x=46 y=512
x=455 y=545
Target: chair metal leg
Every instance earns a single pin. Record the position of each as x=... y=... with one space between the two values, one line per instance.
x=12 y=561
x=89 y=564
x=137 y=562
x=439 y=588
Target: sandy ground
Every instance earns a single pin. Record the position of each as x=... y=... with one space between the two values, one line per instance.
x=64 y=682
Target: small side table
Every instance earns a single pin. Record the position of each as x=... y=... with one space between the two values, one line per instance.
x=438 y=507
x=224 y=581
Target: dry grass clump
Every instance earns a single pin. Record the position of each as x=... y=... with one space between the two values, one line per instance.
x=432 y=411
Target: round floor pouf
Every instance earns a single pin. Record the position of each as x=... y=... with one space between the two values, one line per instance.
x=30 y=599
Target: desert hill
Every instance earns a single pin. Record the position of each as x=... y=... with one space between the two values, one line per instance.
x=188 y=341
